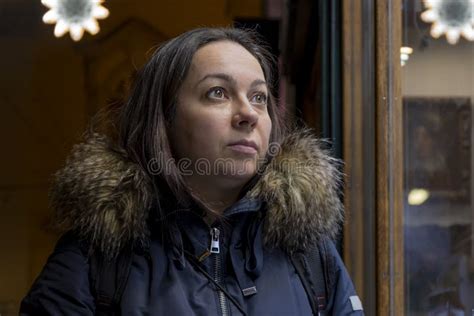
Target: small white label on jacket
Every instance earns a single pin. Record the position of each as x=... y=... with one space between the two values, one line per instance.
x=356 y=303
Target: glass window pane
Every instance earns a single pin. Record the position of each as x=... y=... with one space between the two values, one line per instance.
x=438 y=95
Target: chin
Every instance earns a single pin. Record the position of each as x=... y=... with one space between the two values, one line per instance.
x=245 y=169
x=241 y=172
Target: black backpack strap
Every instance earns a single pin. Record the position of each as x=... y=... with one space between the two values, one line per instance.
x=109 y=278
x=313 y=269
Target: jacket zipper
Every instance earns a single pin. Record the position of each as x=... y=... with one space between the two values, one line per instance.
x=215 y=250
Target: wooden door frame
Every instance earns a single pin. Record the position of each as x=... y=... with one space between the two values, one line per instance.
x=389 y=119
x=373 y=152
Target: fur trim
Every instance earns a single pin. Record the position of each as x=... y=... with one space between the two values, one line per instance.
x=105 y=198
x=301 y=187
x=102 y=196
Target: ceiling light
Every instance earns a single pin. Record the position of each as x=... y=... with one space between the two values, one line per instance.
x=418 y=196
x=451 y=17
x=74 y=16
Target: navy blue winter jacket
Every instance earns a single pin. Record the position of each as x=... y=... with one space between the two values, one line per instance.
x=103 y=200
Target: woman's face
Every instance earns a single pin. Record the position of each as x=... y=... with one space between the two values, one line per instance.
x=222 y=125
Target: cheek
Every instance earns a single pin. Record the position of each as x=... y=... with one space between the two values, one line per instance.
x=181 y=132
x=206 y=125
x=266 y=131
x=198 y=133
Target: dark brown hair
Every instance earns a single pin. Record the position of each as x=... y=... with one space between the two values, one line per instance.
x=142 y=121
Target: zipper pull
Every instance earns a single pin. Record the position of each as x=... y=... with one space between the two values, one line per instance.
x=215 y=240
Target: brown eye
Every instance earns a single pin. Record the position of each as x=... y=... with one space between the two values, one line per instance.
x=259 y=98
x=216 y=93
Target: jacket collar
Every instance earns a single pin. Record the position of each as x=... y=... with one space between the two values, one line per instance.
x=105 y=197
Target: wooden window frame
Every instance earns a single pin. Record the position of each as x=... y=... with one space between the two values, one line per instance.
x=373 y=152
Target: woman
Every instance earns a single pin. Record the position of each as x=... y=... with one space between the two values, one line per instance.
x=204 y=187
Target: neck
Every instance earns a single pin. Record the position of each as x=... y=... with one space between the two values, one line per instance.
x=213 y=195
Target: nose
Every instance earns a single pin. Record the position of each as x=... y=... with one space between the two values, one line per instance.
x=245 y=116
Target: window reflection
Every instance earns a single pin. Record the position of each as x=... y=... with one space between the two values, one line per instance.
x=438 y=204
x=438 y=90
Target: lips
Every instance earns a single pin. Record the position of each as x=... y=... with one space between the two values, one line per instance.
x=244 y=146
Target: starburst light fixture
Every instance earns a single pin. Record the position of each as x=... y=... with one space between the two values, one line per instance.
x=451 y=17
x=74 y=16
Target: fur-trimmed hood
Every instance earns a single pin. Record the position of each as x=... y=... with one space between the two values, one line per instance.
x=105 y=197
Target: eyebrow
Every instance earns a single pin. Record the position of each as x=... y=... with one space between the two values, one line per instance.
x=231 y=79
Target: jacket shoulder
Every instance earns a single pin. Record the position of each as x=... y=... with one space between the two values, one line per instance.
x=343 y=299
x=62 y=288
